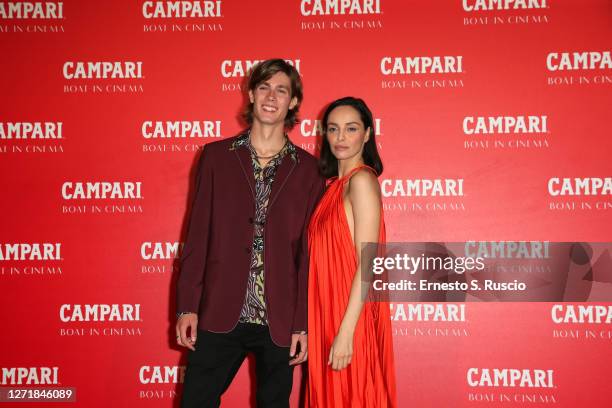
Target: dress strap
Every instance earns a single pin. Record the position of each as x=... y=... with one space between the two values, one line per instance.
x=356 y=169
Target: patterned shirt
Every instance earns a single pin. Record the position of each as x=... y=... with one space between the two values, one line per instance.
x=254 y=307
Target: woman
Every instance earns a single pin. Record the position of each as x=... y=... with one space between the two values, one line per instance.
x=350 y=350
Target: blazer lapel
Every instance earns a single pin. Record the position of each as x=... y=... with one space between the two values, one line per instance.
x=244 y=158
x=282 y=175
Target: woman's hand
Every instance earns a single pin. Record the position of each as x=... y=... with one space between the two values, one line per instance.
x=341 y=350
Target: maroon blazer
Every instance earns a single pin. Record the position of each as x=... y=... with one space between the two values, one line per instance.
x=216 y=256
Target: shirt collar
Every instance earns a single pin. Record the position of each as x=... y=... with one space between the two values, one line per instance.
x=243 y=141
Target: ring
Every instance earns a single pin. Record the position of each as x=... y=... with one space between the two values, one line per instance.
x=178 y=337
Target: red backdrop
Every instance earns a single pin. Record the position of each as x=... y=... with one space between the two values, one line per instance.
x=451 y=84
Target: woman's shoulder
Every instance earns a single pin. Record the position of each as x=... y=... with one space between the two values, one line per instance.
x=364 y=181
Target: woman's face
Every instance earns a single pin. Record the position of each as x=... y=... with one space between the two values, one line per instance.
x=346 y=133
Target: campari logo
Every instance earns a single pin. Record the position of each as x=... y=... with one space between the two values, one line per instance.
x=100 y=319
x=159 y=257
x=580 y=193
x=31 y=17
x=99 y=312
x=581 y=322
x=31 y=137
x=511 y=385
x=528 y=261
x=30 y=376
x=30 y=259
x=101 y=197
x=30 y=251
x=507 y=249
x=322 y=15
x=182 y=16
x=160 y=381
x=581 y=314
x=98 y=77
x=161 y=374
x=429 y=319
x=422 y=72
x=235 y=72
x=579 y=68
x=505 y=132
x=437 y=195
x=505 y=12
x=178 y=135
x=160 y=250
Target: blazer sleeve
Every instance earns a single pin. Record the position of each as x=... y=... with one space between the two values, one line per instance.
x=300 y=317
x=193 y=258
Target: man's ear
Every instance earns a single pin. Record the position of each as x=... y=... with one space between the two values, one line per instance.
x=251 y=97
x=293 y=102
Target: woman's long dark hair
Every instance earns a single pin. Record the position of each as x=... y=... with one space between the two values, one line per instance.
x=328 y=164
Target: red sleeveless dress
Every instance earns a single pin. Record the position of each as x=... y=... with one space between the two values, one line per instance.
x=369 y=380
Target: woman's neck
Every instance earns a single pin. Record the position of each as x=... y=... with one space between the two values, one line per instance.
x=347 y=165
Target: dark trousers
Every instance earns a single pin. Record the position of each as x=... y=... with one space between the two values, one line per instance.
x=217 y=358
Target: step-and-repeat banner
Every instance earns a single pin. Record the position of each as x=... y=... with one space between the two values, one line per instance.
x=491 y=119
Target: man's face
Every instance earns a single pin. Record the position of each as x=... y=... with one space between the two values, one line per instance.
x=272 y=99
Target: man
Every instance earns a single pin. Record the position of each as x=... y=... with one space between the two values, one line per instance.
x=244 y=267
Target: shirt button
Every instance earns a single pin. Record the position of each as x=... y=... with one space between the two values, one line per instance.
x=250 y=220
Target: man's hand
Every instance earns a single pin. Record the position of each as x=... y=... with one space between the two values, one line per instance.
x=185 y=321
x=302 y=340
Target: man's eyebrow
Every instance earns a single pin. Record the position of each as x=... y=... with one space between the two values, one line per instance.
x=278 y=86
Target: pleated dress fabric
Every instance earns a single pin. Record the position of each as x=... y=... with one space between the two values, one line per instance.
x=369 y=380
